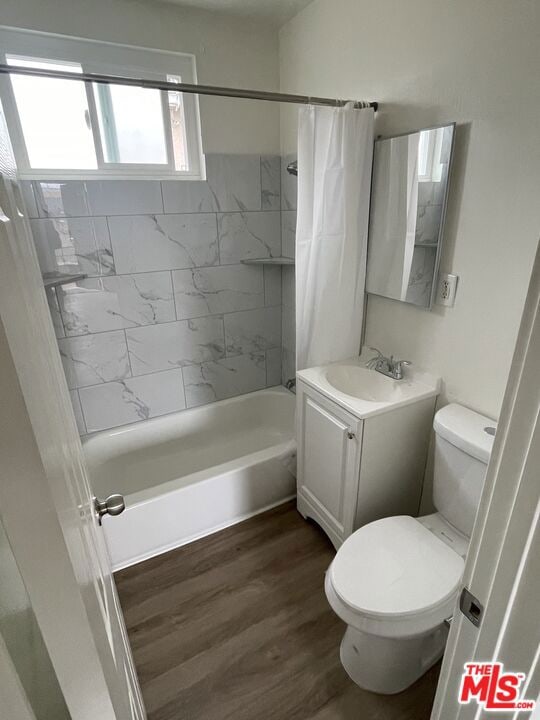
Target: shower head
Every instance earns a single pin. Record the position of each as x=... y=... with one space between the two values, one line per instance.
x=292 y=168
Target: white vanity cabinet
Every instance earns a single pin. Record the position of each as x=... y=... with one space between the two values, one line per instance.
x=329 y=441
x=354 y=470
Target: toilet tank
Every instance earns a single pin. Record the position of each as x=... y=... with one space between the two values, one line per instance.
x=463 y=443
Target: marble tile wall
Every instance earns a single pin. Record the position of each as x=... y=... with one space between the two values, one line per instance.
x=168 y=317
x=428 y=223
x=289 y=185
x=428 y=219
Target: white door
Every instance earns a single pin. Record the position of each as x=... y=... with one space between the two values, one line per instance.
x=503 y=565
x=45 y=497
x=328 y=462
x=15 y=705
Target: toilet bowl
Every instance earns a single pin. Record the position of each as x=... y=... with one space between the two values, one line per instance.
x=395 y=581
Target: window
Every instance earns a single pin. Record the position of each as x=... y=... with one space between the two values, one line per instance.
x=429 y=155
x=53 y=118
x=68 y=128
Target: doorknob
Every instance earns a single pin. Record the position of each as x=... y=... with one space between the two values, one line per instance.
x=113 y=505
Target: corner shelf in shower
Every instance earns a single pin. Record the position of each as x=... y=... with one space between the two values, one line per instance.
x=269 y=261
x=52 y=280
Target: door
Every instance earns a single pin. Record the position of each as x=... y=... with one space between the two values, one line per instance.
x=328 y=462
x=45 y=498
x=503 y=565
x=15 y=703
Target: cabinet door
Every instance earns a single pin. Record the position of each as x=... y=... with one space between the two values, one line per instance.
x=328 y=461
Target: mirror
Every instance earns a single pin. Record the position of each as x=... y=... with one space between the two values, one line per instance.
x=408 y=203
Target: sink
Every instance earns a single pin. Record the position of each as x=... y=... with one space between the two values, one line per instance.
x=365 y=392
x=362 y=383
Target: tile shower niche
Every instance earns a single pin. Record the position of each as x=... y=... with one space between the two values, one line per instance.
x=168 y=316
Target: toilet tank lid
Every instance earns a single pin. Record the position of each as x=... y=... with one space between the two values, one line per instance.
x=466 y=430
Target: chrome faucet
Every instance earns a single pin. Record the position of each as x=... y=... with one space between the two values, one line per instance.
x=387 y=366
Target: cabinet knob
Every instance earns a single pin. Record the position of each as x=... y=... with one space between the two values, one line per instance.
x=350 y=434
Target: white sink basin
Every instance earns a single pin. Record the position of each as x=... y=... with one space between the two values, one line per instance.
x=363 y=383
x=366 y=392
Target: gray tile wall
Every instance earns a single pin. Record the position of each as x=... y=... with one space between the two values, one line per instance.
x=289 y=185
x=168 y=318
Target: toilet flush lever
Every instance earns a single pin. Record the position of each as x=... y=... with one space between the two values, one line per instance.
x=113 y=505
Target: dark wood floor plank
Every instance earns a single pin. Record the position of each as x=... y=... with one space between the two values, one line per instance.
x=236 y=626
x=209 y=626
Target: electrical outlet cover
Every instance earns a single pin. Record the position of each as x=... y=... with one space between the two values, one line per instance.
x=446 y=292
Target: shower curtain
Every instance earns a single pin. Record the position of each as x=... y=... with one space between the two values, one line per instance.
x=335 y=152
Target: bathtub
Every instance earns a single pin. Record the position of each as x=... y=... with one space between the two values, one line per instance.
x=189 y=474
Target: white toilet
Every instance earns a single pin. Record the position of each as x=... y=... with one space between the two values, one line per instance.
x=395 y=581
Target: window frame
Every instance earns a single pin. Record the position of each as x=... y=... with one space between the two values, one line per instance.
x=433 y=164
x=109 y=59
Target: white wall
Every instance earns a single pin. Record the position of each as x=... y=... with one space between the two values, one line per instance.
x=229 y=51
x=429 y=62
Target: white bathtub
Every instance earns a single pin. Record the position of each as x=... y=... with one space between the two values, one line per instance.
x=189 y=474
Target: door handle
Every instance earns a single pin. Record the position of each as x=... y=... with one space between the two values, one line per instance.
x=113 y=505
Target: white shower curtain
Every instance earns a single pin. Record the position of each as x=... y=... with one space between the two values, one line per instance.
x=335 y=152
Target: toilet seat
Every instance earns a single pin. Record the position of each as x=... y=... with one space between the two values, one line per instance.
x=394 y=578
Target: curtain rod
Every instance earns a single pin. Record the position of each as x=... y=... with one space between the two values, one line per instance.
x=184 y=87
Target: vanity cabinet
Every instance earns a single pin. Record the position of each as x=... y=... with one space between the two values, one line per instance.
x=328 y=461
x=352 y=471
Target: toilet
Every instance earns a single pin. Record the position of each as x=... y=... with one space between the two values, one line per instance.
x=394 y=582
